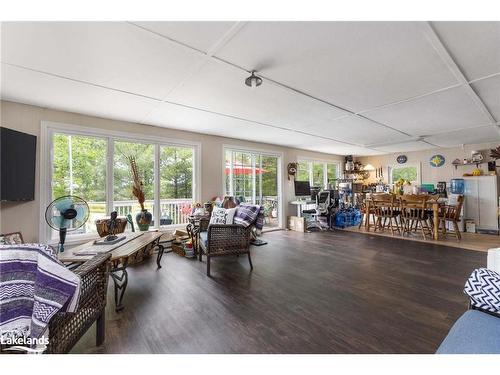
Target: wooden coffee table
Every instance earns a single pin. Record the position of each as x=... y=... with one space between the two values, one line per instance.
x=131 y=248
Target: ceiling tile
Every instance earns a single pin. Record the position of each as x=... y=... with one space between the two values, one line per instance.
x=405 y=147
x=467 y=136
x=446 y=110
x=357 y=65
x=475 y=46
x=357 y=130
x=200 y=35
x=220 y=88
x=111 y=54
x=489 y=91
x=25 y=86
x=178 y=117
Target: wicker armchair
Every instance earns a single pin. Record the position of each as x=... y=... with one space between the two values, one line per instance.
x=65 y=329
x=222 y=240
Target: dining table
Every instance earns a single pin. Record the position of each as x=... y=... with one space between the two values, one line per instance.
x=433 y=203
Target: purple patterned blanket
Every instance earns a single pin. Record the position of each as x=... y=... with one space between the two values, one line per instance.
x=34 y=286
x=248 y=214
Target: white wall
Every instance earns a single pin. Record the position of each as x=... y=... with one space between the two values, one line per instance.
x=431 y=174
x=24 y=216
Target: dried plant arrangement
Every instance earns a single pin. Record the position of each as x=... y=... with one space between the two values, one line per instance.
x=495 y=153
x=138 y=186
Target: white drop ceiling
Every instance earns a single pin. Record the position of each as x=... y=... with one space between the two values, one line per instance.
x=359 y=88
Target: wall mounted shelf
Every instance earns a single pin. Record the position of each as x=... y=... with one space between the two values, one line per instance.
x=464 y=164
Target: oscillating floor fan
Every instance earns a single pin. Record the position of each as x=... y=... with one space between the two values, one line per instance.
x=66 y=214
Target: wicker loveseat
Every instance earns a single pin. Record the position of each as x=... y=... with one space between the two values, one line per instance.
x=65 y=329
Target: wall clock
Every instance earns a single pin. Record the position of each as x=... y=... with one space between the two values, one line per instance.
x=437 y=160
x=401 y=159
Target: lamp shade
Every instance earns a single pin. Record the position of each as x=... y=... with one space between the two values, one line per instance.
x=369 y=168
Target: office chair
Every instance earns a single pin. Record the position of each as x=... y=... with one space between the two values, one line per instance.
x=323 y=206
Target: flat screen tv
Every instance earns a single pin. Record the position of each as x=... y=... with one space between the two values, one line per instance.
x=17 y=166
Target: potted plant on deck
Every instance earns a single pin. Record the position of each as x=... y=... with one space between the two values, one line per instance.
x=143 y=218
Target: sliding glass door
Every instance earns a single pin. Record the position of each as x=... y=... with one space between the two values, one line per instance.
x=253 y=177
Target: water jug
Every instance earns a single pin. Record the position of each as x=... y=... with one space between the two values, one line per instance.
x=457 y=186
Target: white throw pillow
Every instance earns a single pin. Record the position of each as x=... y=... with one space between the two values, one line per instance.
x=222 y=215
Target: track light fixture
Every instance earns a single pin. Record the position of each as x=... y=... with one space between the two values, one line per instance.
x=253 y=81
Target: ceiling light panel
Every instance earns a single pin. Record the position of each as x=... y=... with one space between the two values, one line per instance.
x=357 y=65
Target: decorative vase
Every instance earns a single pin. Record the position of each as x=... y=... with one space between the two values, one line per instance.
x=143 y=220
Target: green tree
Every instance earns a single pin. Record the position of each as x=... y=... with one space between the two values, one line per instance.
x=122 y=181
x=406 y=173
x=88 y=165
x=176 y=172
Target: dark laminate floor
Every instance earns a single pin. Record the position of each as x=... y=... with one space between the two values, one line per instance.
x=309 y=293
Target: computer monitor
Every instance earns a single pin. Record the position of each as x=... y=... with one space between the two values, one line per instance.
x=302 y=189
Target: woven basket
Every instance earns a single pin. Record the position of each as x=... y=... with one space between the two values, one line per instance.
x=102 y=226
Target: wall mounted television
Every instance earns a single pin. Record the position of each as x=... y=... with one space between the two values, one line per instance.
x=17 y=166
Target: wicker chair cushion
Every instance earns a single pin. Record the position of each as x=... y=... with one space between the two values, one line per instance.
x=204 y=240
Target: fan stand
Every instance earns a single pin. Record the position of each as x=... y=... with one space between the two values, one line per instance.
x=62 y=239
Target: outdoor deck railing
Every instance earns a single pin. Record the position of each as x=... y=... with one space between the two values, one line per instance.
x=173 y=211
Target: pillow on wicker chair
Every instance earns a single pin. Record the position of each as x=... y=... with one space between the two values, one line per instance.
x=222 y=215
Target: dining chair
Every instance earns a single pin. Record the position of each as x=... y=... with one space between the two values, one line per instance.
x=367 y=211
x=386 y=211
x=451 y=213
x=414 y=214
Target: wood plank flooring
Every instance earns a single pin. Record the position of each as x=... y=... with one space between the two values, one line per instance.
x=469 y=241
x=330 y=292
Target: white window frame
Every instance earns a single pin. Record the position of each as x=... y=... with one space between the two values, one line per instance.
x=49 y=128
x=325 y=163
x=418 y=166
x=278 y=154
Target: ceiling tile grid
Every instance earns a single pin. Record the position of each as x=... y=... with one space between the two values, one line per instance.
x=475 y=46
x=28 y=87
x=316 y=76
x=489 y=91
x=112 y=54
x=357 y=65
x=443 y=111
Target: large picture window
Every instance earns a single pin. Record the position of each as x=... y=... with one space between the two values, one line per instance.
x=94 y=166
x=318 y=173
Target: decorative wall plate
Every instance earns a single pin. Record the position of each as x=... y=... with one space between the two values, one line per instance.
x=437 y=160
x=401 y=159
